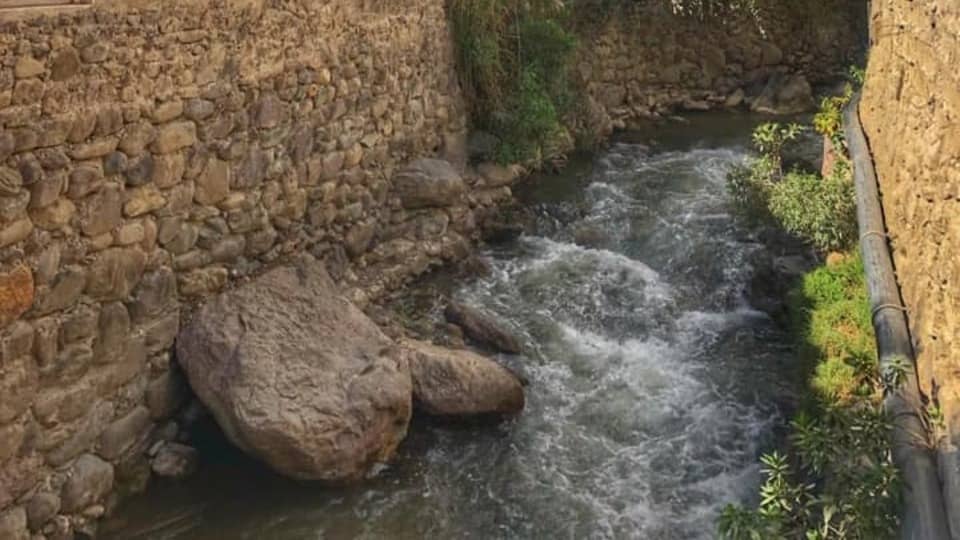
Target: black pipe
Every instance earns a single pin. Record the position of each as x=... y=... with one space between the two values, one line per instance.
x=924 y=515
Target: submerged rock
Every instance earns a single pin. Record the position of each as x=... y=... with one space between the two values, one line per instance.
x=297 y=376
x=461 y=383
x=785 y=94
x=174 y=460
x=482 y=329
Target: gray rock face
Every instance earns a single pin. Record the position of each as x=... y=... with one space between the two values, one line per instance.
x=461 y=383
x=175 y=460
x=90 y=479
x=785 y=94
x=298 y=376
x=482 y=329
x=428 y=183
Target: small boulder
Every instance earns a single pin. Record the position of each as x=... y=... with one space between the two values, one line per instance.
x=785 y=94
x=482 y=329
x=427 y=183
x=461 y=383
x=297 y=376
x=174 y=460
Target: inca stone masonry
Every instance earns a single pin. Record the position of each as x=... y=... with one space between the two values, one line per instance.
x=154 y=152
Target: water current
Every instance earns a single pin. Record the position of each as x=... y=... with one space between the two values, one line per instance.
x=654 y=385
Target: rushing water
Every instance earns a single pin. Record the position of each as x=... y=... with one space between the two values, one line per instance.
x=653 y=384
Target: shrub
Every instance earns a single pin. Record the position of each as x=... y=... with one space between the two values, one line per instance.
x=838 y=480
x=820 y=210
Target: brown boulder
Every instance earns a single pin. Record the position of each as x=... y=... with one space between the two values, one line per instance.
x=428 y=183
x=450 y=382
x=296 y=375
x=482 y=329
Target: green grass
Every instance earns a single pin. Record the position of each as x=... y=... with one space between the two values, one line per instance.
x=836 y=478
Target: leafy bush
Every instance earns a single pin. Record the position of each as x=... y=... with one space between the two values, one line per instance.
x=837 y=481
x=822 y=211
x=514 y=60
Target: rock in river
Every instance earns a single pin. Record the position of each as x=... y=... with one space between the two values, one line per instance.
x=482 y=329
x=297 y=376
x=450 y=382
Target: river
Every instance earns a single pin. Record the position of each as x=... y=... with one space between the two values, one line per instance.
x=654 y=385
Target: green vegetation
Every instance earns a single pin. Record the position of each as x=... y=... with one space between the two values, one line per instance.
x=837 y=479
x=514 y=61
x=820 y=210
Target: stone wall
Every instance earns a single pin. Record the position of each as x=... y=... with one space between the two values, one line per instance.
x=154 y=152
x=151 y=152
x=911 y=113
x=643 y=61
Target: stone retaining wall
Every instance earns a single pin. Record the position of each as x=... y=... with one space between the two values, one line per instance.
x=911 y=114
x=643 y=61
x=148 y=157
x=154 y=152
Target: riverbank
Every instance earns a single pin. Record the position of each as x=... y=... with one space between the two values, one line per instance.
x=653 y=385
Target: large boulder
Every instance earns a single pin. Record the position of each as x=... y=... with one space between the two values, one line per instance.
x=426 y=183
x=462 y=383
x=785 y=94
x=297 y=376
x=482 y=329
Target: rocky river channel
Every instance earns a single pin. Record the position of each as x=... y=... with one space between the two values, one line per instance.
x=654 y=384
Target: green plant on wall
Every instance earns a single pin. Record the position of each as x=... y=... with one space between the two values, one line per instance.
x=514 y=60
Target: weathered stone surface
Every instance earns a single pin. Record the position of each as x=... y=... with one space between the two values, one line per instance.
x=122 y=434
x=96 y=149
x=41 y=508
x=15 y=232
x=166 y=394
x=64 y=292
x=140 y=171
x=90 y=479
x=18 y=383
x=27 y=67
x=115 y=273
x=13 y=524
x=203 y=281
x=461 y=383
x=16 y=340
x=84 y=436
x=85 y=179
x=214 y=184
x=359 y=238
x=168 y=111
x=175 y=460
x=481 y=328
x=156 y=294
x=54 y=216
x=46 y=190
x=495 y=175
x=175 y=136
x=428 y=182
x=290 y=329
x=102 y=212
x=65 y=64
x=160 y=333
x=113 y=331
x=785 y=94
x=11 y=438
x=16 y=293
x=10 y=182
x=143 y=200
